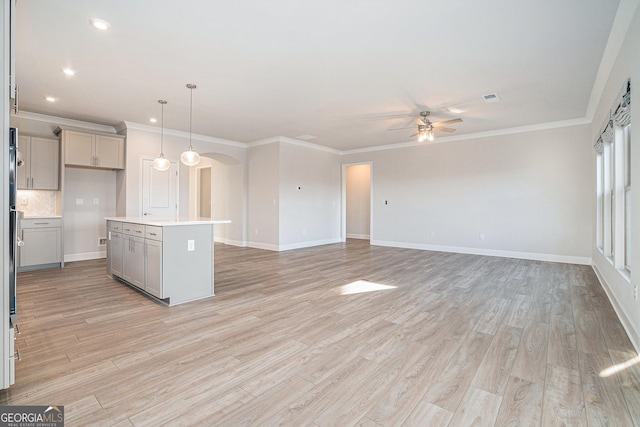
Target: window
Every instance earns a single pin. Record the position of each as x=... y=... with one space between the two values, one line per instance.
x=613 y=185
x=626 y=135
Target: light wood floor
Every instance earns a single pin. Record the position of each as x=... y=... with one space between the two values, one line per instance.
x=461 y=340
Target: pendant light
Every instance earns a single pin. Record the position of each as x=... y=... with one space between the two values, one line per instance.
x=190 y=157
x=161 y=163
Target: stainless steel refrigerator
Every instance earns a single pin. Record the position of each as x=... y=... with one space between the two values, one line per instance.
x=14 y=217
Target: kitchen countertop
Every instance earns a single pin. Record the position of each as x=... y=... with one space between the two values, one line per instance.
x=167 y=222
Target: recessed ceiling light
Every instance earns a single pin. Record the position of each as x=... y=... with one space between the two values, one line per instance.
x=100 y=24
x=153 y=120
x=50 y=98
x=68 y=71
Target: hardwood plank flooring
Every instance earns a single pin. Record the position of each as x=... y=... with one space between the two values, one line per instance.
x=456 y=340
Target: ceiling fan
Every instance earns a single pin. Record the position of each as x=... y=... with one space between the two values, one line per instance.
x=426 y=127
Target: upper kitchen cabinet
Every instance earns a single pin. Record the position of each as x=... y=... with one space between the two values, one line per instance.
x=92 y=150
x=40 y=166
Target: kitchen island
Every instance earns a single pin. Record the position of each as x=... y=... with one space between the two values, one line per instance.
x=170 y=259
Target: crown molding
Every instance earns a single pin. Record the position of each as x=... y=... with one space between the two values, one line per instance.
x=293 y=141
x=196 y=137
x=64 y=122
x=478 y=135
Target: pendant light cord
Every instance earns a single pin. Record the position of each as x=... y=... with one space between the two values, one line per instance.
x=162 y=130
x=190 y=117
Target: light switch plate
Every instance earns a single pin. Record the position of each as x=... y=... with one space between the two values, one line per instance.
x=191 y=245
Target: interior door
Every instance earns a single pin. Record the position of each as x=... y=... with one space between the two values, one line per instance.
x=159 y=190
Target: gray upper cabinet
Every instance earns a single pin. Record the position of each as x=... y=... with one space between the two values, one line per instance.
x=93 y=150
x=40 y=169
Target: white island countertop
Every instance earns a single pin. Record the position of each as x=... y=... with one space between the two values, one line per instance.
x=167 y=221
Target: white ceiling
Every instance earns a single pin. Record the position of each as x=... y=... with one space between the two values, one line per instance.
x=323 y=68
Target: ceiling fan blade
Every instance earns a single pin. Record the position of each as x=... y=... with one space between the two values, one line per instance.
x=386 y=115
x=444 y=129
x=446 y=122
x=420 y=122
x=412 y=127
x=412 y=135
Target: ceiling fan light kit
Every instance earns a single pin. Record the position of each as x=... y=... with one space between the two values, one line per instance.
x=427 y=128
x=190 y=157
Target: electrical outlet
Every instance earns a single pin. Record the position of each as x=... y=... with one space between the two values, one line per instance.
x=481 y=237
x=102 y=241
x=191 y=245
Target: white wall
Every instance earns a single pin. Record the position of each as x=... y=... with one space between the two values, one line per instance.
x=84 y=223
x=309 y=196
x=144 y=142
x=528 y=194
x=358 y=194
x=620 y=290
x=227 y=183
x=263 y=196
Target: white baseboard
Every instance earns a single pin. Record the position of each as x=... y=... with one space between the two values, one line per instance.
x=632 y=333
x=280 y=248
x=265 y=246
x=85 y=256
x=234 y=243
x=309 y=244
x=358 y=236
x=488 y=252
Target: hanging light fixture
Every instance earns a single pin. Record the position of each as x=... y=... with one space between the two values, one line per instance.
x=190 y=157
x=429 y=134
x=161 y=163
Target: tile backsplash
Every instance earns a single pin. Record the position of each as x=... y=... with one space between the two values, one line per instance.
x=38 y=202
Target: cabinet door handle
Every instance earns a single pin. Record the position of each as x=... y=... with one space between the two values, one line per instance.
x=152 y=234
x=97 y=161
x=138 y=231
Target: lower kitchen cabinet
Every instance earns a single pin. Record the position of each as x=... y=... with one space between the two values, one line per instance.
x=42 y=247
x=115 y=246
x=133 y=260
x=153 y=267
x=171 y=260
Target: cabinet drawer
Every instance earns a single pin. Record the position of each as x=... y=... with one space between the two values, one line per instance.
x=40 y=222
x=114 y=226
x=153 y=232
x=133 y=229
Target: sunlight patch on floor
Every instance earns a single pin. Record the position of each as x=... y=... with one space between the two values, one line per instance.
x=619 y=367
x=362 y=286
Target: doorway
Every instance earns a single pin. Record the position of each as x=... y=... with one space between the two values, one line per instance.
x=357 y=193
x=204 y=192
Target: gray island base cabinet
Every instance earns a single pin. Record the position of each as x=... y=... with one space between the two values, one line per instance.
x=169 y=259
